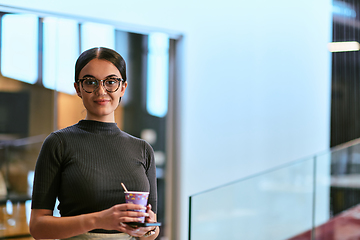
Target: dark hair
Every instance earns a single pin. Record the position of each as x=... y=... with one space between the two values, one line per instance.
x=100 y=53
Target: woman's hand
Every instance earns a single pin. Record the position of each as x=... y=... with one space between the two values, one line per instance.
x=152 y=215
x=115 y=217
x=140 y=231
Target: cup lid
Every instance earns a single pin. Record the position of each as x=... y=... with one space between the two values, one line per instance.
x=134 y=192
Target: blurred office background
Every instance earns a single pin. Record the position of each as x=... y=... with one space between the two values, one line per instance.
x=222 y=90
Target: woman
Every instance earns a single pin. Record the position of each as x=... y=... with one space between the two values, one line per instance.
x=84 y=165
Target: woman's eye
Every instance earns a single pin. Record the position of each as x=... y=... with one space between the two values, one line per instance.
x=90 y=82
x=111 y=81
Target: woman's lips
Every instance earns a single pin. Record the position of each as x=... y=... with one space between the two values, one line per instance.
x=102 y=101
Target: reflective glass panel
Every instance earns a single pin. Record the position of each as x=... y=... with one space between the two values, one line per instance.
x=19 y=47
x=61 y=49
x=338 y=194
x=158 y=74
x=274 y=205
x=97 y=35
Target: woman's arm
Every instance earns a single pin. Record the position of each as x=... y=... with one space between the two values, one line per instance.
x=44 y=226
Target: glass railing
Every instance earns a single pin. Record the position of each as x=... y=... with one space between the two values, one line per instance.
x=313 y=198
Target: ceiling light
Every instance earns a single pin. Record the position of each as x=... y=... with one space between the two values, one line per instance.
x=344 y=46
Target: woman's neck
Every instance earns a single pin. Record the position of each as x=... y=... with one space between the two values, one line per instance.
x=108 y=118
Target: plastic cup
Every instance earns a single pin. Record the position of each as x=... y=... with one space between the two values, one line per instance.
x=140 y=198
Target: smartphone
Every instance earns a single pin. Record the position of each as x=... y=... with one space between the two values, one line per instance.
x=145 y=224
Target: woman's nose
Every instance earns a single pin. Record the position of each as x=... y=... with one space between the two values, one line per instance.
x=101 y=88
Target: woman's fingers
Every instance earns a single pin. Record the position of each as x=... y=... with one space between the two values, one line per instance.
x=136 y=232
x=134 y=214
x=152 y=216
x=131 y=212
x=129 y=219
x=129 y=206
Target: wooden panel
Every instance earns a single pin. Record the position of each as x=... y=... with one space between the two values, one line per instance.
x=13 y=222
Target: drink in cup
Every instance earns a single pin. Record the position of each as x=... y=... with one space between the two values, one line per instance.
x=140 y=198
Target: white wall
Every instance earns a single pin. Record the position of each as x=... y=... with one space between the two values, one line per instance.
x=255 y=80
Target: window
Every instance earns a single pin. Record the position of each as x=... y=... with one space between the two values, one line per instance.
x=97 y=35
x=19 y=47
x=158 y=74
x=60 y=51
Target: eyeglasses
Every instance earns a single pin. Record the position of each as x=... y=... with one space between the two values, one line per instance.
x=90 y=84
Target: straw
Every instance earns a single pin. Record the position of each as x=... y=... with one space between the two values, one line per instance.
x=124 y=187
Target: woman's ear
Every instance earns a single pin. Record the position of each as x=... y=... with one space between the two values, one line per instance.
x=77 y=88
x=123 y=88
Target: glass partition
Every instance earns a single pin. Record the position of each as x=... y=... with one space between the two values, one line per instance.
x=314 y=198
x=256 y=207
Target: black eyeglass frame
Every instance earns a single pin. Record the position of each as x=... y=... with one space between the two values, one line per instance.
x=81 y=80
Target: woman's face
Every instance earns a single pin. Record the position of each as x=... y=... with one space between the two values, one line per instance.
x=100 y=104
